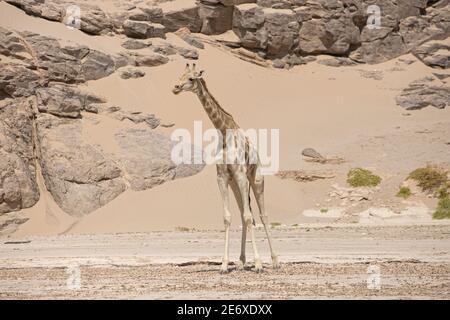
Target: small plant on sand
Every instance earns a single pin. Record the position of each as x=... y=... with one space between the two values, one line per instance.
x=443 y=208
x=443 y=191
x=359 y=177
x=324 y=210
x=404 y=192
x=295 y=225
x=275 y=224
x=430 y=178
x=182 y=229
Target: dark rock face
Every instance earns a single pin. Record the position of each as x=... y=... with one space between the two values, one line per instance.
x=92 y=20
x=65 y=100
x=143 y=29
x=132 y=73
x=147 y=165
x=132 y=44
x=216 y=17
x=17 y=81
x=18 y=188
x=435 y=54
x=273 y=28
x=78 y=175
x=71 y=64
x=424 y=92
x=340 y=27
x=182 y=18
x=185 y=34
x=42 y=110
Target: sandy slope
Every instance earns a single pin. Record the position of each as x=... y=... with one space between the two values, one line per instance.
x=335 y=110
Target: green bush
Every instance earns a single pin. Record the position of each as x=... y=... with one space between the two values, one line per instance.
x=404 y=192
x=275 y=224
x=443 y=191
x=443 y=209
x=362 y=178
x=429 y=178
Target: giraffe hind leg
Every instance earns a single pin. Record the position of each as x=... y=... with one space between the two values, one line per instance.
x=257 y=183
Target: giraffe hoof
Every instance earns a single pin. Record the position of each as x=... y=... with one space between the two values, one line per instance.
x=258 y=267
x=240 y=265
x=224 y=270
x=275 y=263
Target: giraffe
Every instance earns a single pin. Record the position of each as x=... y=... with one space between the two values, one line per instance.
x=240 y=177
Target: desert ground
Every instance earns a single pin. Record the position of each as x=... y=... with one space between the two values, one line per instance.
x=164 y=240
x=317 y=262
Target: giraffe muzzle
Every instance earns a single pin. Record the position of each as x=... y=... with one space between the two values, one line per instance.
x=176 y=90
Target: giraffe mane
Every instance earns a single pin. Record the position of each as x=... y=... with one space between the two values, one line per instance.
x=202 y=81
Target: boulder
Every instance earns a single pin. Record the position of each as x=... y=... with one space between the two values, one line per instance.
x=12 y=46
x=143 y=29
x=65 y=100
x=380 y=50
x=132 y=44
x=247 y=17
x=134 y=116
x=147 y=165
x=186 y=53
x=79 y=176
x=132 y=73
x=185 y=34
x=333 y=36
x=337 y=62
x=435 y=54
x=154 y=14
x=149 y=60
x=216 y=18
x=18 y=81
x=282 y=29
x=52 y=61
x=164 y=48
x=70 y=64
x=93 y=20
x=10 y=222
x=422 y=93
x=18 y=187
x=186 y=16
x=97 y=65
x=248 y=22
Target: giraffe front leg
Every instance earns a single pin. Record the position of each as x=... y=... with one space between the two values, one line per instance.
x=242 y=259
x=222 y=180
x=244 y=188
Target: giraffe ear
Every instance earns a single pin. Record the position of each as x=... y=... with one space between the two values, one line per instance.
x=199 y=74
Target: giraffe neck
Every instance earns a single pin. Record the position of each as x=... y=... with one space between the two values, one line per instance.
x=221 y=119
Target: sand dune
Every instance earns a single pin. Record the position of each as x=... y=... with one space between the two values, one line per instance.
x=335 y=110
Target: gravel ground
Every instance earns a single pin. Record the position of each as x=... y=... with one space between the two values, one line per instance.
x=327 y=262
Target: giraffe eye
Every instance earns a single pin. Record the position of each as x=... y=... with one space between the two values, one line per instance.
x=191 y=79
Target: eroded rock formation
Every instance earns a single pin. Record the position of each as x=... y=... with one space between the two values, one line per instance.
x=42 y=110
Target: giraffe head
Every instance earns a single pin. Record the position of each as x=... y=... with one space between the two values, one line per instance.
x=189 y=80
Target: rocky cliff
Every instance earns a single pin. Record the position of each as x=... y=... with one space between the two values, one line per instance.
x=43 y=107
